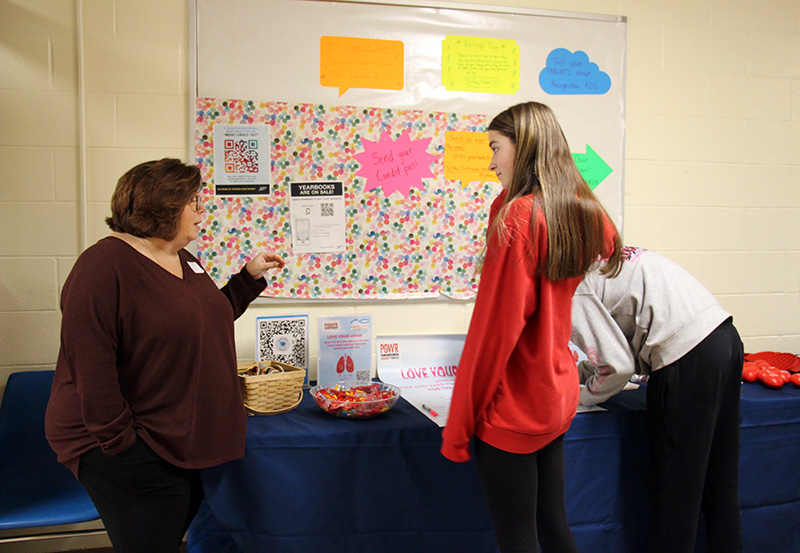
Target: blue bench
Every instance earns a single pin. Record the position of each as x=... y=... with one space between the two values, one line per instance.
x=36 y=492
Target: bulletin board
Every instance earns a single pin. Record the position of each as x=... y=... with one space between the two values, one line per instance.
x=381 y=110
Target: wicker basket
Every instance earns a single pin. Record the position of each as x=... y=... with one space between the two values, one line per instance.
x=270 y=394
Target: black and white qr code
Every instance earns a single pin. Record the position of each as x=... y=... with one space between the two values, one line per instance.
x=326 y=209
x=241 y=156
x=283 y=340
x=363 y=374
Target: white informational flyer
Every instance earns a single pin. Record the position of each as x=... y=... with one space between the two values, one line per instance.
x=241 y=160
x=318 y=217
x=345 y=349
x=424 y=367
x=283 y=339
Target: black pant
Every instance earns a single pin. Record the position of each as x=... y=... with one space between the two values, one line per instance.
x=525 y=496
x=693 y=434
x=146 y=503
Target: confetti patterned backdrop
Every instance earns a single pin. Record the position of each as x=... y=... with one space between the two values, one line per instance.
x=398 y=247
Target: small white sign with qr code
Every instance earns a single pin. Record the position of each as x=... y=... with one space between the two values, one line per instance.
x=318 y=217
x=283 y=339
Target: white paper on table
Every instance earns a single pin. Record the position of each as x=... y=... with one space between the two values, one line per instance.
x=424 y=367
x=345 y=343
x=589 y=409
x=584 y=409
x=283 y=338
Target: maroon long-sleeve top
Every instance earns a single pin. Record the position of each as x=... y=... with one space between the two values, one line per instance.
x=144 y=352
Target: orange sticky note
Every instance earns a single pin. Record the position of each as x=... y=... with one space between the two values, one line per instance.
x=347 y=62
x=467 y=157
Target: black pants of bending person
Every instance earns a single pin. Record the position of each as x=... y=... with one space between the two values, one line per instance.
x=146 y=503
x=525 y=496
x=693 y=438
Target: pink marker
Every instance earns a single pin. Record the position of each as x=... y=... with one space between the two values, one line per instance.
x=429 y=410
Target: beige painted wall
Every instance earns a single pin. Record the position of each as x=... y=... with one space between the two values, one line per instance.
x=712 y=159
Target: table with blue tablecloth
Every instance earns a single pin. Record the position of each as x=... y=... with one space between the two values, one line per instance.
x=310 y=482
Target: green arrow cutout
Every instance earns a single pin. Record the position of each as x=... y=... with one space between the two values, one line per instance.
x=592 y=167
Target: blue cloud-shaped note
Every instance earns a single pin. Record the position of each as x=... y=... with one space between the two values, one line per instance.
x=572 y=73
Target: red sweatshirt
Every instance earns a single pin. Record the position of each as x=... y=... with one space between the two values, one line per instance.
x=517 y=385
x=145 y=353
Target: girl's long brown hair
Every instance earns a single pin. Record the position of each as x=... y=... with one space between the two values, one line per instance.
x=543 y=167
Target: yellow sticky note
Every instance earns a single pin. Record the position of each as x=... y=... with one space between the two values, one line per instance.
x=347 y=62
x=475 y=64
x=467 y=156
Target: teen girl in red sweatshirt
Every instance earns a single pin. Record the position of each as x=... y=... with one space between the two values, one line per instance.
x=517 y=386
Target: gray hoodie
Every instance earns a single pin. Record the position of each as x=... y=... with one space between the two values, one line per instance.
x=649 y=316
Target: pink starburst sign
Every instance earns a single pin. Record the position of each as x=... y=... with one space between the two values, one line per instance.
x=395 y=165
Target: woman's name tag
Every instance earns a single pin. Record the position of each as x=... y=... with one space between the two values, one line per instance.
x=195 y=267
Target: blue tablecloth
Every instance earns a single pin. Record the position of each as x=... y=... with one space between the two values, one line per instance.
x=310 y=482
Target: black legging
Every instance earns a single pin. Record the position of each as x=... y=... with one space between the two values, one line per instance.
x=525 y=496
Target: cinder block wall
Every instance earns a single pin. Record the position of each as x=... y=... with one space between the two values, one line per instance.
x=712 y=157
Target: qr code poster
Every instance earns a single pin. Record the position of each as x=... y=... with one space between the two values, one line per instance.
x=318 y=218
x=241 y=160
x=283 y=339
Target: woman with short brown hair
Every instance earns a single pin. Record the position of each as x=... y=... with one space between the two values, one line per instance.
x=145 y=390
